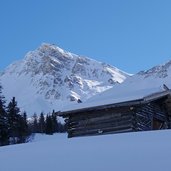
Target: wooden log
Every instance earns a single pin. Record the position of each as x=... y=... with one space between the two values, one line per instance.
x=101 y=126
x=97 y=116
x=144 y=127
x=142 y=115
x=94 y=133
x=96 y=113
x=152 y=110
x=100 y=120
x=99 y=132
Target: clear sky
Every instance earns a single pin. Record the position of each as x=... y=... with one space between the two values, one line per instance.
x=132 y=35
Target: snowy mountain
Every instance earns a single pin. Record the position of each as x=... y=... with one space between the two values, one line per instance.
x=152 y=78
x=50 y=78
x=159 y=71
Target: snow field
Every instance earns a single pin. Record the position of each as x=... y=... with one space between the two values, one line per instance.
x=118 y=152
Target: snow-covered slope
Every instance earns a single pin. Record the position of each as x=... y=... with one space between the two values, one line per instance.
x=135 y=87
x=50 y=78
x=141 y=151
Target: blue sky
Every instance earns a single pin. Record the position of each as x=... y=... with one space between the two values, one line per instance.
x=132 y=35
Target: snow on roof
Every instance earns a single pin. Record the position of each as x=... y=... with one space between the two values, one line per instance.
x=118 y=95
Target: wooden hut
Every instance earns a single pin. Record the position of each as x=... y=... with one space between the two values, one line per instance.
x=151 y=112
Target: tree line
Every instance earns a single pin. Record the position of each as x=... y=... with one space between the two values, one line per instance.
x=16 y=128
x=47 y=124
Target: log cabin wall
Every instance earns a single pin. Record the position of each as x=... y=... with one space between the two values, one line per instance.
x=111 y=119
x=100 y=122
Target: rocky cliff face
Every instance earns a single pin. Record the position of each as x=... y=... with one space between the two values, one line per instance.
x=50 y=77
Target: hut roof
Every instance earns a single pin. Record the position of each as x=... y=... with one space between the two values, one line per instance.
x=125 y=99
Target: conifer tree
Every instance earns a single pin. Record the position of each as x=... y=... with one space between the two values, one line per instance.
x=54 y=122
x=49 y=125
x=13 y=120
x=42 y=124
x=23 y=128
x=35 y=128
x=4 y=134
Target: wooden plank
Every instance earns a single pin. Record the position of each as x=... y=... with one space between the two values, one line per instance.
x=153 y=110
x=97 y=115
x=99 y=132
x=124 y=109
x=101 y=126
x=142 y=115
x=100 y=120
x=142 y=127
x=94 y=133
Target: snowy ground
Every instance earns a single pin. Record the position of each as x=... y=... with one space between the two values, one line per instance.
x=147 y=151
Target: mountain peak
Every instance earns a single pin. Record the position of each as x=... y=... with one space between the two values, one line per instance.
x=159 y=71
x=49 y=78
x=46 y=47
x=52 y=50
x=46 y=50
